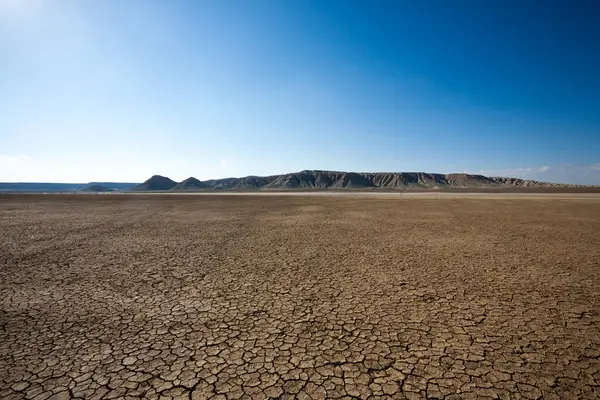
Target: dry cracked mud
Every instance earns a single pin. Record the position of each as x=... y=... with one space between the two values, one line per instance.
x=239 y=297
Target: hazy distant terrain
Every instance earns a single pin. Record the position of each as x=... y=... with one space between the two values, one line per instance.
x=63 y=187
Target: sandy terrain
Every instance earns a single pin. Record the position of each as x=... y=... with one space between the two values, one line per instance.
x=227 y=297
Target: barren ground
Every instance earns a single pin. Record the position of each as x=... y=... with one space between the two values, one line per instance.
x=227 y=297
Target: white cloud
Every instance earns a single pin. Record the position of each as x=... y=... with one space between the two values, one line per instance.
x=7 y=160
x=12 y=166
x=23 y=168
x=563 y=173
x=514 y=172
x=10 y=163
x=116 y=165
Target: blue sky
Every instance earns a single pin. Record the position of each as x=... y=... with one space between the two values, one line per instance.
x=120 y=90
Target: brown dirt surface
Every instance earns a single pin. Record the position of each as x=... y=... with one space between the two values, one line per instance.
x=308 y=297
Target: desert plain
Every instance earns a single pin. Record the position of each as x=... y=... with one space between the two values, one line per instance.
x=299 y=296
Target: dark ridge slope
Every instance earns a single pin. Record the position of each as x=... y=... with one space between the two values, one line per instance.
x=156 y=182
x=189 y=185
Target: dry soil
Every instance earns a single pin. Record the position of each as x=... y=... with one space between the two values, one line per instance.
x=312 y=297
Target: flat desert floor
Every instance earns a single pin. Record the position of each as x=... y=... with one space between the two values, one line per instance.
x=308 y=297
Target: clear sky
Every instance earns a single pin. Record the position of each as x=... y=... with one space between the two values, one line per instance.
x=120 y=90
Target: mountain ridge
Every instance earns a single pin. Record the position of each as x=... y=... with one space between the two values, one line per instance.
x=320 y=179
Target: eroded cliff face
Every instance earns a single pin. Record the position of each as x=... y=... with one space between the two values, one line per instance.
x=342 y=180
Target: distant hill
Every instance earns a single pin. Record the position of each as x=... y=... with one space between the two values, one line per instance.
x=114 y=185
x=60 y=187
x=155 y=183
x=96 y=188
x=189 y=185
x=347 y=180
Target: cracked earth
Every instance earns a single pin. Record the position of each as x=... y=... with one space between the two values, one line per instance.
x=256 y=297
